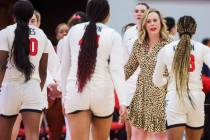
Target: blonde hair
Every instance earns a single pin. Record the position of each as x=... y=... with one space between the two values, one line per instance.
x=38 y=17
x=143 y=35
x=186 y=28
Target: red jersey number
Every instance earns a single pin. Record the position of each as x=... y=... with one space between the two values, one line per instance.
x=192 y=63
x=33 y=47
x=81 y=41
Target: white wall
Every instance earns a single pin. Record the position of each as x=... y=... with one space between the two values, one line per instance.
x=122 y=12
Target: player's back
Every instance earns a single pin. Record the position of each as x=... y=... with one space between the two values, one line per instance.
x=196 y=64
x=38 y=46
x=106 y=39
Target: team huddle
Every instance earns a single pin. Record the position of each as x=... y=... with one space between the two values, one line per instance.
x=157 y=80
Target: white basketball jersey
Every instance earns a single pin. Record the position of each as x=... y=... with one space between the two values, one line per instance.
x=200 y=54
x=38 y=46
x=109 y=60
x=130 y=37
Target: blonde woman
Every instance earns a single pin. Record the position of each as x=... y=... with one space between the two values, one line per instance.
x=146 y=112
x=185 y=99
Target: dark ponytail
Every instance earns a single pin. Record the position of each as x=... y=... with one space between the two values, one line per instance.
x=23 y=11
x=97 y=11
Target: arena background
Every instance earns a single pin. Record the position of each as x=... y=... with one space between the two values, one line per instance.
x=56 y=11
x=53 y=12
x=122 y=12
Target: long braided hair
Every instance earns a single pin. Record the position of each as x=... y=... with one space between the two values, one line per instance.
x=22 y=11
x=181 y=63
x=97 y=11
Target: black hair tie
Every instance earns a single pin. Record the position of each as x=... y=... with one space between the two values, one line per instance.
x=186 y=33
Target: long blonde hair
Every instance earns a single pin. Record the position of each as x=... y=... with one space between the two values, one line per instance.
x=181 y=63
x=143 y=35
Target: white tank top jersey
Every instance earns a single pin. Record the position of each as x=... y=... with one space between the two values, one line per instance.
x=38 y=46
x=109 y=60
x=60 y=45
x=53 y=66
x=129 y=38
x=200 y=54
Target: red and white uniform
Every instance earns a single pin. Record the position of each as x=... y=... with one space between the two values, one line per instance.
x=181 y=112
x=16 y=95
x=130 y=36
x=98 y=93
x=61 y=44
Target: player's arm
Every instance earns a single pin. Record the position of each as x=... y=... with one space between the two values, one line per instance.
x=60 y=45
x=117 y=74
x=43 y=69
x=125 y=47
x=158 y=76
x=116 y=67
x=3 y=64
x=132 y=64
x=206 y=56
x=4 y=54
x=53 y=63
x=43 y=63
x=65 y=63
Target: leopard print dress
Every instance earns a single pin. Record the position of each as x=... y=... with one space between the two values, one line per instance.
x=147 y=109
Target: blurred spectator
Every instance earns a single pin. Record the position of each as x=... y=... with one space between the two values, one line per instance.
x=171 y=26
x=127 y=26
x=61 y=30
x=206 y=42
x=36 y=19
x=78 y=17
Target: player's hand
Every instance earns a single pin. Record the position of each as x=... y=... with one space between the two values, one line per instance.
x=123 y=113
x=53 y=91
x=63 y=109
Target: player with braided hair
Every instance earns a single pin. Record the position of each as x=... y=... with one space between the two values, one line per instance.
x=185 y=99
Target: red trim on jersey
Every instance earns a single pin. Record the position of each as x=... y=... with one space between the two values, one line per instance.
x=81 y=41
x=206 y=84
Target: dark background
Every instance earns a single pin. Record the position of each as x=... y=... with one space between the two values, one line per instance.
x=52 y=12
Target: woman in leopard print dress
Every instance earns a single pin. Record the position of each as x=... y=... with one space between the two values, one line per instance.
x=146 y=112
